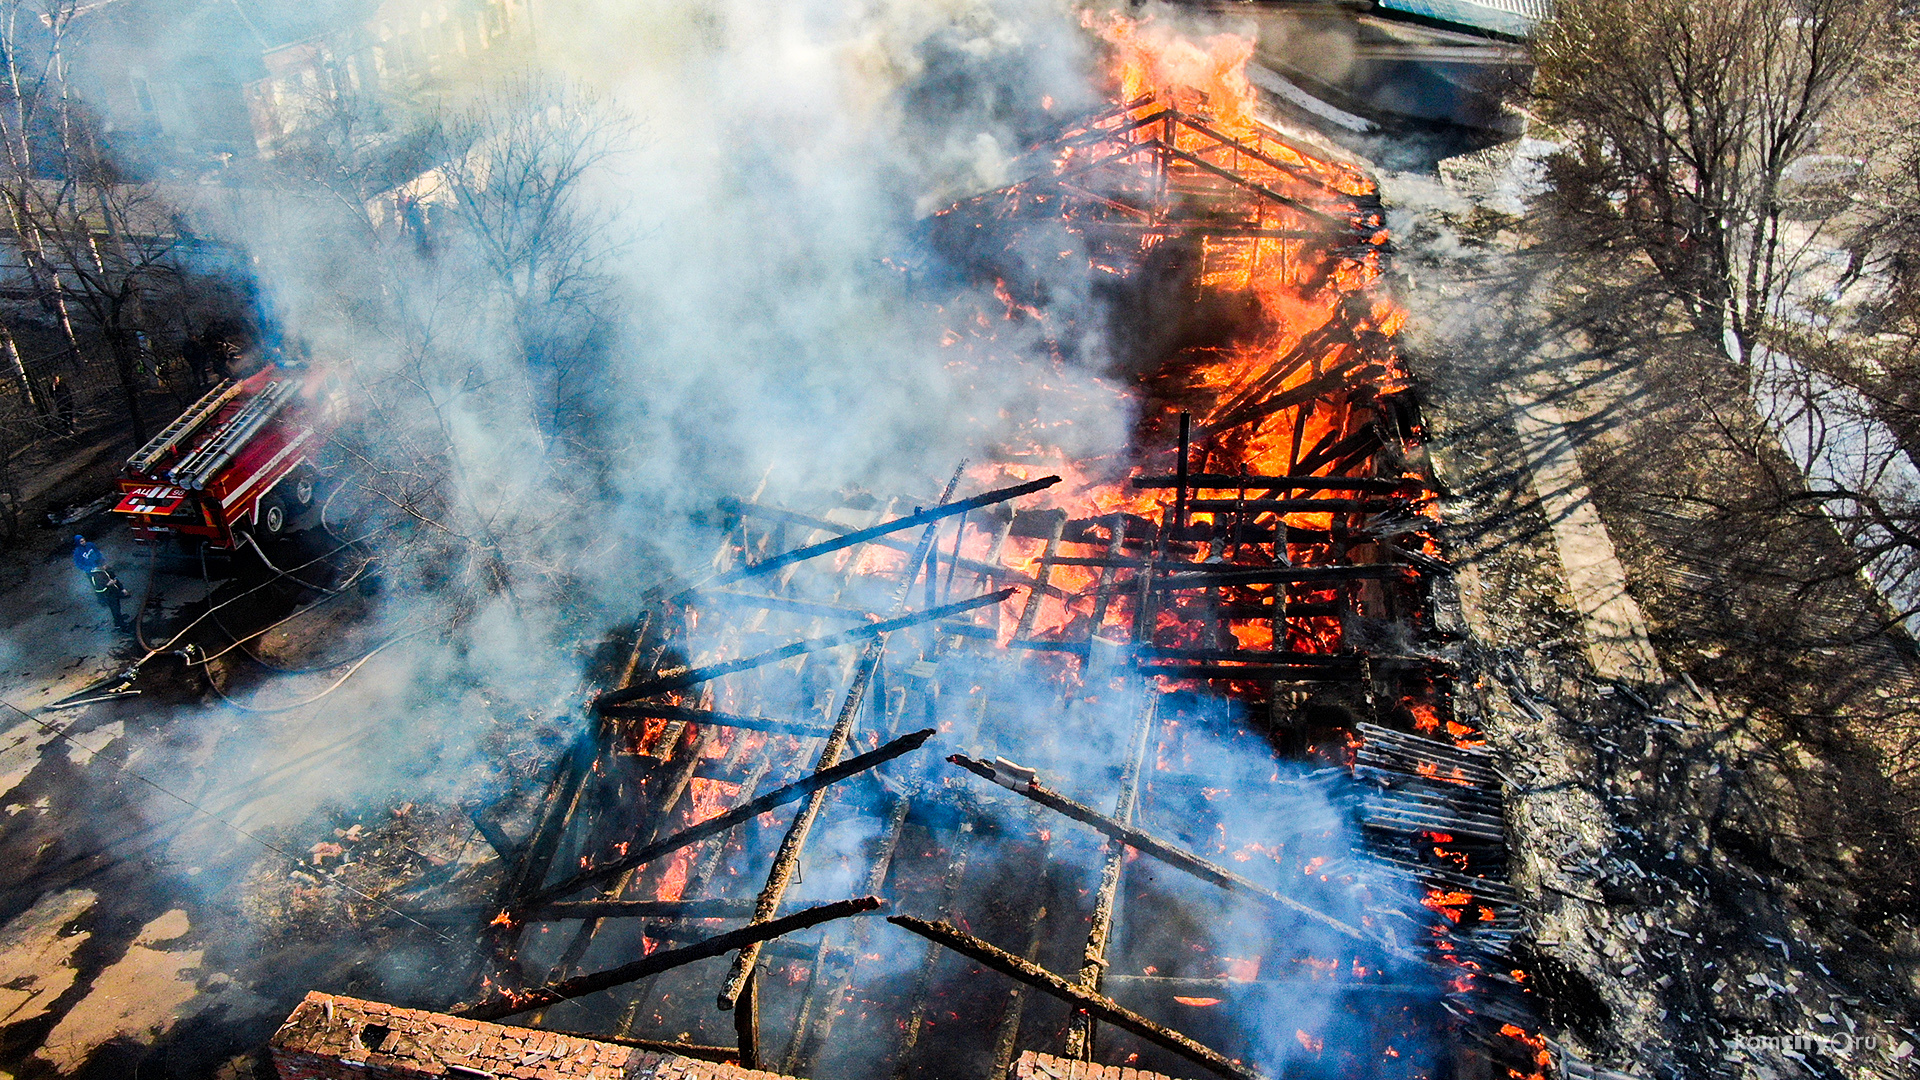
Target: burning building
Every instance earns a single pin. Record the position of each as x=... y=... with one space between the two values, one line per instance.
x=1148 y=758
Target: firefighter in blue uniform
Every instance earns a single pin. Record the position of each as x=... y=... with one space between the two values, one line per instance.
x=106 y=588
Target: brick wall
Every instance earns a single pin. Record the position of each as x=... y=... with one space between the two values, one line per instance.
x=330 y=1037
x=1032 y=1066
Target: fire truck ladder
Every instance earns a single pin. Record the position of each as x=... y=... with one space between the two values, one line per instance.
x=198 y=467
x=188 y=423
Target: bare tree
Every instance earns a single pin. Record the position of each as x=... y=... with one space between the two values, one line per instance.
x=515 y=165
x=477 y=290
x=1685 y=118
x=88 y=237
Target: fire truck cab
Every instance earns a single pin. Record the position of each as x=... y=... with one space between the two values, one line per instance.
x=239 y=463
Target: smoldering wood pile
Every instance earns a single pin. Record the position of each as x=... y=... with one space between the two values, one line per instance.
x=1204 y=706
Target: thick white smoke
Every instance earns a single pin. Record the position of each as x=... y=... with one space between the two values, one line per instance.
x=733 y=298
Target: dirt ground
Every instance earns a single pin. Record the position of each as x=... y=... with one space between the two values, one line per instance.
x=1717 y=875
x=179 y=871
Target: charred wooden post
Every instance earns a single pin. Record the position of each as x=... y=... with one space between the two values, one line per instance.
x=811 y=1034
x=1101 y=1008
x=746 y=1020
x=786 y=860
x=520 y=1001
x=1180 y=474
x=1093 y=962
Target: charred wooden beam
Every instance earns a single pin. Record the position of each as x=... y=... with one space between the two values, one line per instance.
x=1415 y=825
x=682 y=677
x=1102 y=1008
x=720 y=823
x=1232 y=482
x=919 y=999
x=1275 y=657
x=1341 y=330
x=1057 y=523
x=1331 y=221
x=1298 y=506
x=526 y=872
x=786 y=860
x=1180 y=474
x=508 y=1004
x=984 y=569
x=1364 y=440
x=1099 y=134
x=1175 y=985
x=1216 y=575
x=986 y=633
x=674 y=786
x=1093 y=960
x=1355 y=371
x=861 y=536
x=813 y=1027
x=1149 y=845
x=495 y=837
x=1007 y=1032
x=637 y=909
x=1190 y=227
x=540 y=848
x=1418 y=558
x=1256 y=533
x=728 y=598
x=746 y=1021
x=1229 y=142
x=1252 y=672
x=1269 y=609
x=653 y=711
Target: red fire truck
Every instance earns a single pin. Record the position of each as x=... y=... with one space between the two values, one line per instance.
x=240 y=462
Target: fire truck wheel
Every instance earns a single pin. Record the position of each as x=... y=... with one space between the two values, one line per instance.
x=302 y=489
x=273 y=518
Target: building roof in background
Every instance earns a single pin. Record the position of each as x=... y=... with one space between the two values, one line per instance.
x=1507 y=18
x=284 y=22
